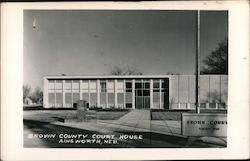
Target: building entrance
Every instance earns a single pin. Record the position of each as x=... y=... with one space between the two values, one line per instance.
x=142 y=94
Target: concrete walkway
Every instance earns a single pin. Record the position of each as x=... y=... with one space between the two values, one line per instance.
x=134 y=121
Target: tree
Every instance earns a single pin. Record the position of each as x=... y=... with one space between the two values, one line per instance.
x=121 y=71
x=37 y=95
x=217 y=61
x=172 y=73
x=26 y=91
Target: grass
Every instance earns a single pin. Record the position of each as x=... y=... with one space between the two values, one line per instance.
x=54 y=115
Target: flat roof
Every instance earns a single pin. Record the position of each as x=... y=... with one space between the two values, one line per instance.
x=104 y=76
x=118 y=76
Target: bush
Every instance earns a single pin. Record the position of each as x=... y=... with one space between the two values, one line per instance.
x=114 y=109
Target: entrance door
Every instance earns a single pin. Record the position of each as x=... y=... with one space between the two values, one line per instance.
x=142 y=95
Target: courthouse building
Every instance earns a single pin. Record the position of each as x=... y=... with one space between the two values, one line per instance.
x=135 y=91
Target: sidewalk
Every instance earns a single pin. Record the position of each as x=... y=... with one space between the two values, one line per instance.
x=138 y=121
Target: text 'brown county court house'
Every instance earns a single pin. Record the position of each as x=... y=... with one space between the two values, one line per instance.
x=136 y=91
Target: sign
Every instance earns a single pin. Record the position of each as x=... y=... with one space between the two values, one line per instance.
x=194 y=124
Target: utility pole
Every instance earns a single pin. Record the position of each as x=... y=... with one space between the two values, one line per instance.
x=197 y=80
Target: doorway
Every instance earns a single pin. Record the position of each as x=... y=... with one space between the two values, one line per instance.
x=142 y=94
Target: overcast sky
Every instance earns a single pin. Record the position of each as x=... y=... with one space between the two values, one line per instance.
x=92 y=42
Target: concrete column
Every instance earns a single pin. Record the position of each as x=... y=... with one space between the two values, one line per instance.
x=55 y=92
x=80 y=89
x=72 y=93
x=63 y=92
x=124 y=91
x=151 y=94
x=115 y=90
x=160 y=93
x=89 y=91
x=133 y=94
x=98 y=92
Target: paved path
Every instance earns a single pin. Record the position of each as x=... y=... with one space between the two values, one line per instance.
x=139 y=121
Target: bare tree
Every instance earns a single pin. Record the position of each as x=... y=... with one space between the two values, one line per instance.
x=217 y=61
x=172 y=73
x=37 y=95
x=123 y=71
x=26 y=91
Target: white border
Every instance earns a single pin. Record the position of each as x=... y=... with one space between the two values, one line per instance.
x=11 y=86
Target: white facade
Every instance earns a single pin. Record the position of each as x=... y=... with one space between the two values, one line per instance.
x=139 y=91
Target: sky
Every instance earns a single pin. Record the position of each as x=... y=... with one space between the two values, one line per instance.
x=93 y=42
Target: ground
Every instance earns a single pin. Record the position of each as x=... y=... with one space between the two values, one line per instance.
x=157 y=129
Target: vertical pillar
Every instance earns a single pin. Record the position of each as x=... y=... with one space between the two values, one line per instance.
x=98 y=93
x=151 y=94
x=133 y=93
x=115 y=90
x=160 y=92
x=80 y=89
x=124 y=95
x=89 y=92
x=197 y=96
x=55 y=92
x=72 y=93
x=63 y=92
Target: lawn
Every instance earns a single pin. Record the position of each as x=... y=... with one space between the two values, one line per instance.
x=55 y=115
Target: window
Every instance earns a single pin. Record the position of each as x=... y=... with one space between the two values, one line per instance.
x=128 y=84
x=128 y=94
x=59 y=99
x=85 y=86
x=68 y=100
x=156 y=84
x=67 y=84
x=76 y=84
x=156 y=93
x=92 y=86
x=146 y=85
x=110 y=86
x=120 y=86
x=138 y=85
x=59 y=84
x=103 y=86
x=52 y=99
x=51 y=84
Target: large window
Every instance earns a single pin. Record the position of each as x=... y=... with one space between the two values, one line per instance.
x=142 y=94
x=93 y=94
x=165 y=93
x=120 y=93
x=128 y=98
x=156 y=93
x=68 y=100
x=85 y=90
x=76 y=84
x=111 y=93
x=59 y=99
x=52 y=99
x=51 y=84
x=59 y=84
x=103 y=85
x=103 y=93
